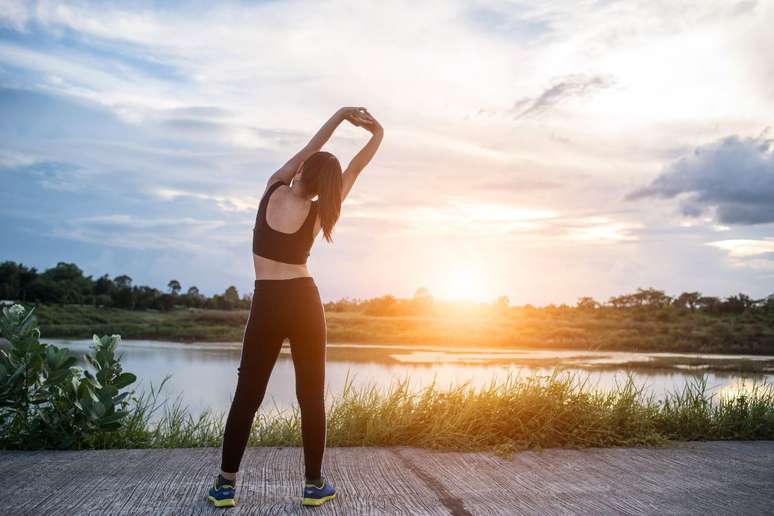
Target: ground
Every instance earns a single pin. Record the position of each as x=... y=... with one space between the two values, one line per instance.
x=690 y=478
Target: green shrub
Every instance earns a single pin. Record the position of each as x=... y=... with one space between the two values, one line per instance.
x=46 y=401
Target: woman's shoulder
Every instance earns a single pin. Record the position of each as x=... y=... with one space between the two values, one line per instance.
x=272 y=186
x=276 y=184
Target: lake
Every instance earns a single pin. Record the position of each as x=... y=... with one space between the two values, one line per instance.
x=204 y=374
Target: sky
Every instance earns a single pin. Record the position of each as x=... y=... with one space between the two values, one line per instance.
x=539 y=150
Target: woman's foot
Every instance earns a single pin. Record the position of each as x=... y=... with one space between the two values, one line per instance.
x=222 y=493
x=317 y=493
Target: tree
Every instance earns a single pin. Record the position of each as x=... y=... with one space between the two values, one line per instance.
x=643 y=297
x=164 y=302
x=231 y=297
x=688 y=300
x=768 y=304
x=174 y=287
x=146 y=297
x=65 y=283
x=624 y=301
x=193 y=297
x=384 y=305
x=651 y=297
x=123 y=297
x=16 y=281
x=587 y=303
x=708 y=304
x=104 y=285
x=123 y=281
x=422 y=293
x=736 y=304
x=422 y=303
x=104 y=288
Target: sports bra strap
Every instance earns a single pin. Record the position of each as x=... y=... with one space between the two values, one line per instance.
x=274 y=187
x=265 y=201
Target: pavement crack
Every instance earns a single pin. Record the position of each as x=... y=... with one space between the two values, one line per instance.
x=453 y=504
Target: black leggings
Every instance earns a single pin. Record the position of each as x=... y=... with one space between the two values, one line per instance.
x=281 y=309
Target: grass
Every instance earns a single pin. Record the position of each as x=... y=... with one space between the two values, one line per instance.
x=537 y=328
x=505 y=416
x=80 y=322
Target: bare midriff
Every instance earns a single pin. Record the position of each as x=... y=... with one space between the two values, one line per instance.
x=266 y=268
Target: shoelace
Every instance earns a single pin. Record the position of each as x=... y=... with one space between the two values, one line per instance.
x=316 y=488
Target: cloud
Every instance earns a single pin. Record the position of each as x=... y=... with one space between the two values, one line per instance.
x=746 y=248
x=239 y=203
x=751 y=254
x=528 y=23
x=564 y=88
x=132 y=116
x=732 y=178
x=53 y=175
x=511 y=184
x=132 y=231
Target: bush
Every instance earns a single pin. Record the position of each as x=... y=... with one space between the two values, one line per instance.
x=46 y=401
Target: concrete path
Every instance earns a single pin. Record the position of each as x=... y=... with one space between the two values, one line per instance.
x=694 y=478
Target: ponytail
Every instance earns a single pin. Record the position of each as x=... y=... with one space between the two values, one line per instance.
x=322 y=176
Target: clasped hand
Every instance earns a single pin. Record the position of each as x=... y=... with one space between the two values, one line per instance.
x=360 y=117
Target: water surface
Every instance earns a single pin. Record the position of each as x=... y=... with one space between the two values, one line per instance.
x=204 y=374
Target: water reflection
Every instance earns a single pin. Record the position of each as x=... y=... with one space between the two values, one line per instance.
x=204 y=374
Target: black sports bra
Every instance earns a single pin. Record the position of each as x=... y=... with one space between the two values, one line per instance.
x=279 y=246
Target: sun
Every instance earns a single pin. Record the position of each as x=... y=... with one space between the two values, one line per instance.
x=462 y=282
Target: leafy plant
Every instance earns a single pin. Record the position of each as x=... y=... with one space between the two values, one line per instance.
x=46 y=400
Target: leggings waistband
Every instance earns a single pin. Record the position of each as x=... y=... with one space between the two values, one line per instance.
x=300 y=283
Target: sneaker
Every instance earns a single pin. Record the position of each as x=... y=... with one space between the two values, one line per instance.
x=314 y=495
x=222 y=495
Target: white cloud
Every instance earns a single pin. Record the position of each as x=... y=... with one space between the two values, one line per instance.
x=150 y=233
x=225 y=202
x=745 y=248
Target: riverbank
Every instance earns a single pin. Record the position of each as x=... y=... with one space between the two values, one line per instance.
x=573 y=329
x=504 y=416
x=689 y=478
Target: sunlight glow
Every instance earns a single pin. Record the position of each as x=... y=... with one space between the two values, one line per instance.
x=600 y=229
x=741 y=387
x=463 y=282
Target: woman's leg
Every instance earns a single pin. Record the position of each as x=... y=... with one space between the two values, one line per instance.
x=260 y=346
x=307 y=344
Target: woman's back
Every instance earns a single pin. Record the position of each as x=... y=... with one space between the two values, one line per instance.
x=287 y=212
x=285 y=227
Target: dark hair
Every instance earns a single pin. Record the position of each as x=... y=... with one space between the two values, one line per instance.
x=321 y=176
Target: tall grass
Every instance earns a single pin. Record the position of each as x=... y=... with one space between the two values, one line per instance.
x=504 y=416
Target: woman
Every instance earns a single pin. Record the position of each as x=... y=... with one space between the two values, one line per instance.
x=286 y=302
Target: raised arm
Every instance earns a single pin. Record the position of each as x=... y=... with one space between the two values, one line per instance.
x=289 y=169
x=362 y=158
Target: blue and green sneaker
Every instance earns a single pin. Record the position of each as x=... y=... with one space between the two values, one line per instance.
x=222 y=493
x=318 y=495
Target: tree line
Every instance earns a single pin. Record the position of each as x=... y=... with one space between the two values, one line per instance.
x=66 y=284
x=644 y=299
x=649 y=298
